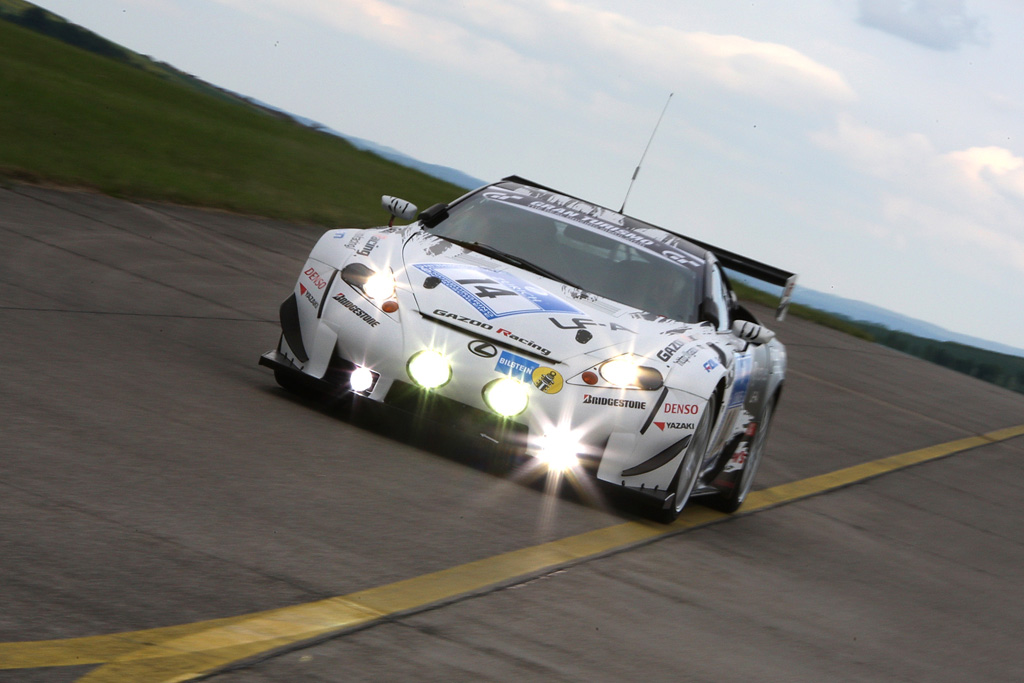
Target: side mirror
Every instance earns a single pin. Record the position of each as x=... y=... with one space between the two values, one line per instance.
x=434 y=215
x=752 y=332
x=398 y=208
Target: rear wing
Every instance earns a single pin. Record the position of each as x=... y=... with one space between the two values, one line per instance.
x=757 y=270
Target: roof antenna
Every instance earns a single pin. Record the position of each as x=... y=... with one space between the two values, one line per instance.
x=637 y=171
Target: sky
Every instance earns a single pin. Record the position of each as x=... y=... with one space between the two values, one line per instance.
x=874 y=147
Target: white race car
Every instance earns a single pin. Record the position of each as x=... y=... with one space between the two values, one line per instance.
x=587 y=339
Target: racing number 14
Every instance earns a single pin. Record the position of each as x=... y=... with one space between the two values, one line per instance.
x=483 y=291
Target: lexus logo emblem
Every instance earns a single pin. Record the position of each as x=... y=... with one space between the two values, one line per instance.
x=483 y=349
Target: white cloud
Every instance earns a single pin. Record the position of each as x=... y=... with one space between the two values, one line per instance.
x=936 y=24
x=552 y=45
x=964 y=206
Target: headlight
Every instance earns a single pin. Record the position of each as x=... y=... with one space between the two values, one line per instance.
x=559 y=450
x=380 y=286
x=376 y=284
x=506 y=396
x=626 y=371
x=429 y=369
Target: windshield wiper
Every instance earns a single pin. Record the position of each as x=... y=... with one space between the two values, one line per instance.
x=495 y=253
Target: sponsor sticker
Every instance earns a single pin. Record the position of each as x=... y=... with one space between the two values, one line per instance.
x=360 y=313
x=674 y=425
x=482 y=349
x=710 y=364
x=516 y=367
x=665 y=355
x=547 y=380
x=315 y=278
x=494 y=293
x=462 y=319
x=309 y=296
x=681 y=408
x=589 y=399
x=524 y=342
x=582 y=323
x=744 y=362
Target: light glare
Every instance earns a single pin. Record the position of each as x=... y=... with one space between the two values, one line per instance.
x=506 y=396
x=360 y=380
x=429 y=369
x=621 y=372
x=380 y=285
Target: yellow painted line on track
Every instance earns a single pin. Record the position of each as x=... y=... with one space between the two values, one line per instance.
x=181 y=653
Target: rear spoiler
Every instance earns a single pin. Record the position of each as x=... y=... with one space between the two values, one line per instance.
x=757 y=270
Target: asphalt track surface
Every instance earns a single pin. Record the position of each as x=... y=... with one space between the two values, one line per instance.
x=153 y=479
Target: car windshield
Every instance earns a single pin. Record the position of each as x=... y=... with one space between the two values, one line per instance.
x=594 y=249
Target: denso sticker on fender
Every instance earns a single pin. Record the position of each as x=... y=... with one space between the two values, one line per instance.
x=495 y=294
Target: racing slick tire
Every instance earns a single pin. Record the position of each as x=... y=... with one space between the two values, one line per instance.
x=689 y=469
x=732 y=501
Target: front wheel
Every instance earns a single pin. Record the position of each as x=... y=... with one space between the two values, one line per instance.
x=732 y=501
x=689 y=468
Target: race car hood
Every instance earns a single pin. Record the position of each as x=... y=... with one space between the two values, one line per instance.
x=493 y=299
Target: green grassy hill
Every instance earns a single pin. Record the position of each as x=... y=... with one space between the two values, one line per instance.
x=74 y=117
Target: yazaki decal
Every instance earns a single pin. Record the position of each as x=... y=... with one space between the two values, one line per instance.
x=493 y=293
x=674 y=425
x=306 y=292
x=742 y=381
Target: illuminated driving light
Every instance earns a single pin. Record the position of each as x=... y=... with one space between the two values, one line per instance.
x=558 y=450
x=380 y=285
x=625 y=371
x=507 y=397
x=620 y=371
x=429 y=369
x=360 y=380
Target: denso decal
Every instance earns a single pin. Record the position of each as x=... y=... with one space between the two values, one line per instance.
x=315 y=278
x=360 y=313
x=674 y=425
x=588 y=399
x=463 y=319
x=515 y=366
x=524 y=342
x=494 y=293
x=681 y=408
x=742 y=382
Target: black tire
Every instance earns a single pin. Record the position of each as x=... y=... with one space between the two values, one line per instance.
x=689 y=468
x=289 y=382
x=732 y=501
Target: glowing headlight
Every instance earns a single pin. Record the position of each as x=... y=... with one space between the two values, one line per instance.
x=429 y=369
x=625 y=371
x=558 y=450
x=380 y=285
x=506 y=396
x=360 y=380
